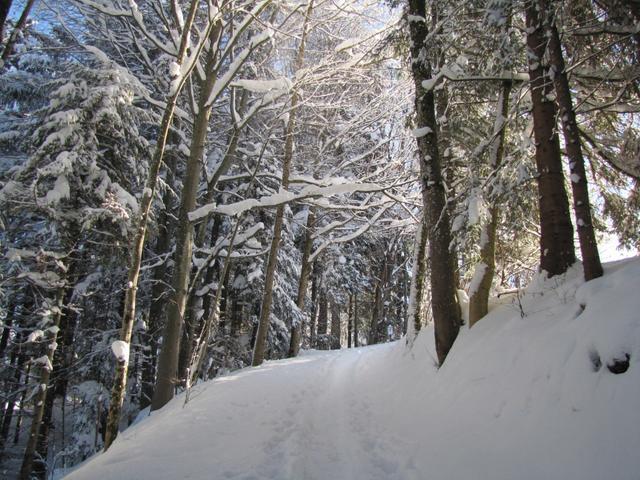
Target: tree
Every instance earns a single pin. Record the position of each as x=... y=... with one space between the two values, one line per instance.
x=446 y=312
x=265 y=309
x=556 y=232
x=579 y=185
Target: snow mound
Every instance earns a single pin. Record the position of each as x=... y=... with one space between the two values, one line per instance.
x=527 y=393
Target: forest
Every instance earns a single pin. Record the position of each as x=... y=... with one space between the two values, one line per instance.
x=192 y=187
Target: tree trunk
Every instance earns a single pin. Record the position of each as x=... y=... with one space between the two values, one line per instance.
x=315 y=278
x=169 y=352
x=446 y=312
x=335 y=325
x=267 y=298
x=236 y=318
x=303 y=282
x=6 y=330
x=580 y=188
x=22 y=21
x=485 y=270
x=323 y=312
x=418 y=285
x=18 y=363
x=356 y=344
x=41 y=396
x=556 y=232
x=159 y=289
x=137 y=245
x=350 y=322
x=5 y=6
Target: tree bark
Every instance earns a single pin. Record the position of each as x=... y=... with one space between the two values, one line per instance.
x=137 y=245
x=323 y=311
x=556 y=232
x=158 y=290
x=446 y=312
x=5 y=6
x=335 y=325
x=303 y=282
x=355 y=320
x=41 y=396
x=22 y=21
x=581 y=205
x=267 y=298
x=485 y=270
x=350 y=322
x=169 y=352
x=418 y=285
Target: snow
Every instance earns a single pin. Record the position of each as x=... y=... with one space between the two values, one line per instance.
x=421 y=132
x=263 y=86
x=121 y=350
x=521 y=396
x=60 y=191
x=283 y=196
x=478 y=275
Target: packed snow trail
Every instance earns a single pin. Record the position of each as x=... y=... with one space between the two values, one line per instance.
x=520 y=397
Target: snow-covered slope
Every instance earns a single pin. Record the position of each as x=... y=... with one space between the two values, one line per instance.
x=525 y=394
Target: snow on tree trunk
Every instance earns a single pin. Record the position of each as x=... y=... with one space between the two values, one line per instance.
x=579 y=186
x=556 y=232
x=137 y=245
x=418 y=285
x=45 y=366
x=168 y=358
x=303 y=282
x=446 y=312
x=483 y=276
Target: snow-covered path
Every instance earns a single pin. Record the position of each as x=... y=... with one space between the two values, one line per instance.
x=519 y=397
x=306 y=418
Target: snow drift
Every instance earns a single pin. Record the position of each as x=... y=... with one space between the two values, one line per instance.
x=526 y=394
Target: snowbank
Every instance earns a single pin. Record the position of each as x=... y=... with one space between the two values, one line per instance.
x=525 y=394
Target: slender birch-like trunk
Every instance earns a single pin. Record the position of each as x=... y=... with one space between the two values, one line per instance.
x=137 y=245
x=168 y=359
x=267 y=297
x=303 y=282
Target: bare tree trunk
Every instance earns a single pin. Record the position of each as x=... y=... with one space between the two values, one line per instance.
x=556 y=232
x=41 y=396
x=267 y=298
x=485 y=270
x=335 y=325
x=158 y=290
x=137 y=246
x=356 y=343
x=323 y=312
x=581 y=204
x=169 y=352
x=6 y=330
x=22 y=21
x=23 y=397
x=315 y=278
x=350 y=321
x=303 y=282
x=5 y=6
x=418 y=285
x=18 y=362
x=446 y=312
